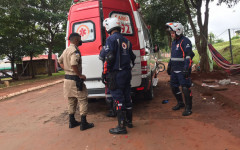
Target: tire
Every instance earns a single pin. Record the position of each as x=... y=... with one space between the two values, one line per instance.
x=160 y=68
x=149 y=95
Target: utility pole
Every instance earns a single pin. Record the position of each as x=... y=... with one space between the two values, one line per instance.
x=230 y=44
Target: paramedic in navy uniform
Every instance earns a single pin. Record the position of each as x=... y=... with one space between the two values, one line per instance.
x=179 y=67
x=118 y=56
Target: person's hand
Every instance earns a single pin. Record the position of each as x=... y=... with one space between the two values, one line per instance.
x=83 y=77
x=103 y=78
x=185 y=73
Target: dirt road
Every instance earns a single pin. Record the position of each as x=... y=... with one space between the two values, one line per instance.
x=38 y=120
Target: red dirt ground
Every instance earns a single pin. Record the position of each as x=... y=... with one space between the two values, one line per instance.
x=231 y=96
x=38 y=120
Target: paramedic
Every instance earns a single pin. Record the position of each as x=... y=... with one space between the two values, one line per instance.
x=117 y=73
x=74 y=88
x=179 y=67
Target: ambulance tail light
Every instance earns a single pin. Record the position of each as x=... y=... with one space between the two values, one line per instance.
x=143 y=61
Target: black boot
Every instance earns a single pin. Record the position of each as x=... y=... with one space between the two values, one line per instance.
x=187 y=111
x=121 y=128
x=129 y=118
x=72 y=122
x=188 y=101
x=178 y=106
x=84 y=124
x=179 y=98
x=111 y=113
x=111 y=105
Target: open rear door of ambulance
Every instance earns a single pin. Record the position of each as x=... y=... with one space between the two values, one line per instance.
x=122 y=10
x=84 y=18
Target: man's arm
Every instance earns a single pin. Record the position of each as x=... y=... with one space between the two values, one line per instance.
x=60 y=61
x=188 y=60
x=75 y=69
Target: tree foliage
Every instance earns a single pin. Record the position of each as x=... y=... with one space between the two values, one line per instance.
x=157 y=13
x=28 y=27
x=10 y=32
x=50 y=16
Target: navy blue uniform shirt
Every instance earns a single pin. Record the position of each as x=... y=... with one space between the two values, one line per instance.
x=122 y=50
x=181 y=54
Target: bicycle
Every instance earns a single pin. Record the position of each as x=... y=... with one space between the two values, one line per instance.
x=160 y=67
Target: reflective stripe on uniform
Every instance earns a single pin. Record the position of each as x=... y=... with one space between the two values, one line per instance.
x=120 y=104
x=177 y=59
x=177 y=71
x=108 y=95
x=105 y=68
x=179 y=93
x=188 y=57
x=182 y=49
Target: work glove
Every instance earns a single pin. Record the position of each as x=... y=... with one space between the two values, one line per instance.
x=104 y=78
x=185 y=73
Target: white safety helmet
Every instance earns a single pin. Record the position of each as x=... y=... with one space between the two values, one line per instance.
x=175 y=26
x=111 y=23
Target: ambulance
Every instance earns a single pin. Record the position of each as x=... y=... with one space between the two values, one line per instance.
x=86 y=18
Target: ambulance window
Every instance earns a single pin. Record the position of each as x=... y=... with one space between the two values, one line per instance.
x=86 y=30
x=126 y=22
x=146 y=34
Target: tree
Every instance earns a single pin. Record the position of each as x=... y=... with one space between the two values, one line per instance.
x=50 y=15
x=32 y=46
x=211 y=38
x=201 y=35
x=28 y=25
x=157 y=13
x=10 y=41
x=31 y=43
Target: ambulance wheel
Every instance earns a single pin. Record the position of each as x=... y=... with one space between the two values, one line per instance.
x=149 y=95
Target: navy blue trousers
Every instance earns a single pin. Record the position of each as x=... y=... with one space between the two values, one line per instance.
x=178 y=79
x=122 y=95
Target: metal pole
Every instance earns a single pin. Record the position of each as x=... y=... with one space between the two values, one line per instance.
x=230 y=44
x=211 y=39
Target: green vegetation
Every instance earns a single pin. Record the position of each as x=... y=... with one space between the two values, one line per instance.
x=38 y=78
x=196 y=57
x=224 y=49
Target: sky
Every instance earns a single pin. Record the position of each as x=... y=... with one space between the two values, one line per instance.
x=222 y=18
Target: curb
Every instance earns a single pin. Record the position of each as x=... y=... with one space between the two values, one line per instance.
x=29 y=90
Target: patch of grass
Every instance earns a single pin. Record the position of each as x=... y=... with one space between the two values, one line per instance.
x=4 y=79
x=37 y=78
x=196 y=57
x=224 y=49
x=59 y=73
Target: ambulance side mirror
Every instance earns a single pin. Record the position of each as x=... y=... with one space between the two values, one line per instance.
x=147 y=51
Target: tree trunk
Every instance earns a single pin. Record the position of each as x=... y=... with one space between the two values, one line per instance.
x=32 y=67
x=50 y=61
x=170 y=41
x=200 y=38
x=14 y=75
